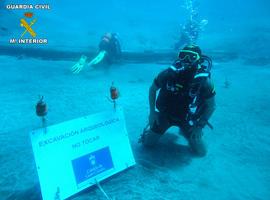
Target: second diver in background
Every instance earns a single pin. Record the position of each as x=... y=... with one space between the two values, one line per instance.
x=109 y=52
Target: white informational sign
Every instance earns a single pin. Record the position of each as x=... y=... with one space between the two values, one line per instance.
x=74 y=155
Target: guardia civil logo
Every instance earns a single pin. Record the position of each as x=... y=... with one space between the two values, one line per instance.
x=29 y=25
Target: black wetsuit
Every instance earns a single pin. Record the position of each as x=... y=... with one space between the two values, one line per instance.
x=112 y=47
x=177 y=92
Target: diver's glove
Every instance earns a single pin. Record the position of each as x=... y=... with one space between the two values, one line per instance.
x=79 y=65
x=196 y=132
x=153 y=118
x=196 y=124
x=142 y=136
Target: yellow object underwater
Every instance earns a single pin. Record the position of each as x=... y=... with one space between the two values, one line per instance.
x=28 y=27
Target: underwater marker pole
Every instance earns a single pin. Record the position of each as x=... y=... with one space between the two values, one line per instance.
x=103 y=191
x=41 y=111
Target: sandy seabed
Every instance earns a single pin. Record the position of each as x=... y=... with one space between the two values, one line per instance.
x=238 y=162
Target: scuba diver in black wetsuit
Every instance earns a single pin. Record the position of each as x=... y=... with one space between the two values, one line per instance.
x=111 y=46
x=186 y=99
x=109 y=52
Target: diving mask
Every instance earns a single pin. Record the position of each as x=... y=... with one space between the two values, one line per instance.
x=187 y=56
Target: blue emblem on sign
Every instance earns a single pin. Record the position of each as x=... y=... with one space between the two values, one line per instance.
x=92 y=164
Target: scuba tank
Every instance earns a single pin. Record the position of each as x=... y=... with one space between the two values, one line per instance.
x=206 y=59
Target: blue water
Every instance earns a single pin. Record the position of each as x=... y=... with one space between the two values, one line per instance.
x=145 y=24
x=237 y=37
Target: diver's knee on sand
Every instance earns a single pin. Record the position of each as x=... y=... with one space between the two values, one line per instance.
x=198 y=147
x=150 y=138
